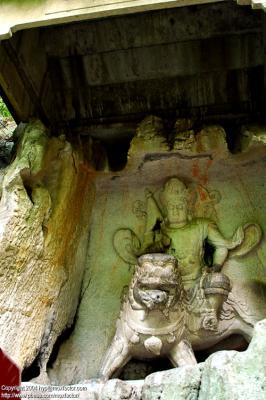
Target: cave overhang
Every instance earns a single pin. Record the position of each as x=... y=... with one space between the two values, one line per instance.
x=17 y=15
x=99 y=70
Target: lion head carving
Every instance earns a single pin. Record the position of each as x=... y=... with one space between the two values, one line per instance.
x=156 y=284
x=152 y=319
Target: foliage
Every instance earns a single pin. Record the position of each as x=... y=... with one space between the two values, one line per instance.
x=4 y=113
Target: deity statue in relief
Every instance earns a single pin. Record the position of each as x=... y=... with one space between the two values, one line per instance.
x=179 y=299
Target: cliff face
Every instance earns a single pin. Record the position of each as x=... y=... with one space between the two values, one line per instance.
x=58 y=219
x=46 y=191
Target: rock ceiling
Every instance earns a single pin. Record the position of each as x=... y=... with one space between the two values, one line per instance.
x=102 y=76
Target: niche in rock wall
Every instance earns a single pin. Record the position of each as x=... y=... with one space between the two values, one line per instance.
x=172 y=200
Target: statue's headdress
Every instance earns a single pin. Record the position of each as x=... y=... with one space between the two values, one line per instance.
x=173 y=189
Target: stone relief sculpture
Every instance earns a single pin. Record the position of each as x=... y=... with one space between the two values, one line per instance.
x=152 y=320
x=179 y=299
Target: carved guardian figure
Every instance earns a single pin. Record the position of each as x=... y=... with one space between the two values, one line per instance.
x=179 y=299
x=152 y=319
x=169 y=228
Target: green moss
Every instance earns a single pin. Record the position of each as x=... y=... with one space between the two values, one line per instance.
x=4 y=113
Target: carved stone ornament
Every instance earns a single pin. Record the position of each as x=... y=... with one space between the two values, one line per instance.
x=178 y=300
x=152 y=321
x=179 y=220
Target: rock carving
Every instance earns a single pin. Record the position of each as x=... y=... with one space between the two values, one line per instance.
x=152 y=320
x=159 y=318
x=179 y=299
x=180 y=221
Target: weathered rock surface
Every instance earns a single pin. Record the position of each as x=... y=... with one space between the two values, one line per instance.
x=116 y=389
x=6 y=141
x=224 y=375
x=176 y=384
x=42 y=244
x=237 y=376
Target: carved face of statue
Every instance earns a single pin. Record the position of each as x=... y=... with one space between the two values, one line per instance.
x=158 y=282
x=176 y=212
x=174 y=200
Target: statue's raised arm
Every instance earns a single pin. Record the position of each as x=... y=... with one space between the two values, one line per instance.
x=189 y=242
